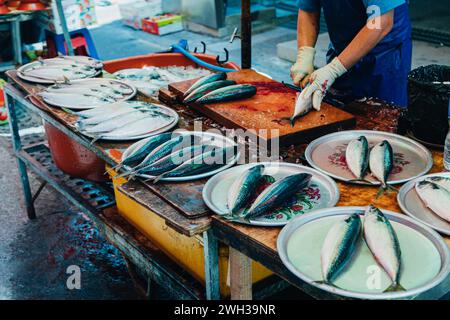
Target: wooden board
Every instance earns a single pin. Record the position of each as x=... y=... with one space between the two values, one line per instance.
x=263 y=111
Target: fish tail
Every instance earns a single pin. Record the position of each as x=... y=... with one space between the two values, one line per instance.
x=96 y=138
x=292 y=121
x=328 y=283
x=158 y=178
x=381 y=191
x=115 y=168
x=395 y=287
x=124 y=174
x=391 y=188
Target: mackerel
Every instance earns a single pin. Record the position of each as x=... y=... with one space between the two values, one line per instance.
x=382 y=241
x=302 y=107
x=207 y=161
x=243 y=188
x=443 y=182
x=277 y=194
x=436 y=197
x=202 y=81
x=381 y=162
x=339 y=246
x=230 y=93
x=114 y=123
x=206 y=88
x=77 y=100
x=357 y=157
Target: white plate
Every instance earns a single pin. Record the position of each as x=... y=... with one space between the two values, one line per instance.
x=413 y=206
x=327 y=154
x=212 y=139
x=73 y=106
x=22 y=69
x=322 y=193
x=168 y=110
x=425 y=257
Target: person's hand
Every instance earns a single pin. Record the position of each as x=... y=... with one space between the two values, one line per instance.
x=304 y=66
x=321 y=80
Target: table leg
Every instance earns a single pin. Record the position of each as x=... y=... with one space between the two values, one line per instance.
x=17 y=145
x=17 y=41
x=212 y=278
x=240 y=275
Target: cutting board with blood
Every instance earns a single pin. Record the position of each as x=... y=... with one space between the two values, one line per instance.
x=261 y=113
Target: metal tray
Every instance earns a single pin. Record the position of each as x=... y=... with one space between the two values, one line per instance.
x=213 y=139
x=146 y=135
x=401 y=223
x=411 y=204
x=73 y=106
x=22 y=69
x=323 y=192
x=327 y=154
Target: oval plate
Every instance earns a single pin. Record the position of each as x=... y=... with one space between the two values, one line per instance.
x=327 y=154
x=218 y=140
x=22 y=69
x=146 y=135
x=425 y=256
x=322 y=193
x=71 y=105
x=412 y=205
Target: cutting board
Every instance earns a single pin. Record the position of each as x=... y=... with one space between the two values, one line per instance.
x=272 y=102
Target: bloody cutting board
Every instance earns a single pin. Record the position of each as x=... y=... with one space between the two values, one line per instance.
x=262 y=112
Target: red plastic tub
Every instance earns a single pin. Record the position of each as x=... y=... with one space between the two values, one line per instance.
x=76 y=160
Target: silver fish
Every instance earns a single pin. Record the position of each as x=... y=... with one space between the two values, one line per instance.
x=112 y=124
x=75 y=100
x=243 y=188
x=357 y=157
x=443 y=182
x=435 y=197
x=144 y=125
x=302 y=107
x=382 y=241
x=339 y=246
x=381 y=162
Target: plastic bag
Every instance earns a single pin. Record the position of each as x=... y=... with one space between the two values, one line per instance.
x=429 y=92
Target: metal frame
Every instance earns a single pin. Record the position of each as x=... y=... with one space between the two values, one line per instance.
x=159 y=272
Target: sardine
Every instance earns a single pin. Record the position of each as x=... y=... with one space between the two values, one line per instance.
x=243 y=188
x=207 y=161
x=436 y=197
x=357 y=157
x=381 y=162
x=277 y=194
x=230 y=93
x=382 y=241
x=339 y=246
x=202 y=81
x=209 y=87
x=302 y=107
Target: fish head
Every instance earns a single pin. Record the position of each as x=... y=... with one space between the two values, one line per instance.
x=354 y=218
x=373 y=213
x=426 y=185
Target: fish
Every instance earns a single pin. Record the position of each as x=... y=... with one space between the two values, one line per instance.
x=443 y=182
x=229 y=93
x=55 y=74
x=91 y=62
x=206 y=88
x=243 y=188
x=302 y=107
x=382 y=241
x=277 y=194
x=357 y=158
x=144 y=125
x=202 y=81
x=84 y=90
x=139 y=150
x=436 y=197
x=105 y=116
x=103 y=110
x=207 y=161
x=74 y=100
x=171 y=161
x=339 y=246
x=114 y=123
x=381 y=162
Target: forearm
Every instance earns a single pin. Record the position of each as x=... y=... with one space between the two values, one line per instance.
x=307 y=28
x=365 y=41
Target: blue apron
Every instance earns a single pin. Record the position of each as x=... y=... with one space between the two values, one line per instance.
x=383 y=72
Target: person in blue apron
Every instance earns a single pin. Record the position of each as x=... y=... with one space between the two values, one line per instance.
x=369 y=54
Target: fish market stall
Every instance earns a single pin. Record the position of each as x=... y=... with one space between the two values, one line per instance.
x=196 y=229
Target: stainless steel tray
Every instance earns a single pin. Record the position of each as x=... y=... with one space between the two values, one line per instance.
x=322 y=193
x=411 y=204
x=327 y=154
x=421 y=234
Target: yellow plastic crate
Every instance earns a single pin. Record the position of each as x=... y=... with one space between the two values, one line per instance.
x=186 y=251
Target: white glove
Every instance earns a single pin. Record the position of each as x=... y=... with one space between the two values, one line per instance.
x=304 y=65
x=321 y=80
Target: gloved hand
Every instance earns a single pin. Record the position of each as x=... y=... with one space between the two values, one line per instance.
x=321 y=80
x=304 y=66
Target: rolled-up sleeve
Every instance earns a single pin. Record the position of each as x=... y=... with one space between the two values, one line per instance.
x=382 y=6
x=309 y=5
